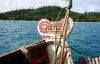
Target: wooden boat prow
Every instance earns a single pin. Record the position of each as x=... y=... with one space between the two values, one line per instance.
x=47 y=32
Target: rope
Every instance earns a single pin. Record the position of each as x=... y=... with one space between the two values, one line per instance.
x=67 y=14
x=79 y=51
x=64 y=33
x=69 y=4
x=55 y=55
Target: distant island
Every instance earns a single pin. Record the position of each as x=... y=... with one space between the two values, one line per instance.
x=49 y=12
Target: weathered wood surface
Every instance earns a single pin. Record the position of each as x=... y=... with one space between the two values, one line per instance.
x=27 y=54
x=95 y=60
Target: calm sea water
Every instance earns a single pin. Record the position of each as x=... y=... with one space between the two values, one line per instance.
x=85 y=37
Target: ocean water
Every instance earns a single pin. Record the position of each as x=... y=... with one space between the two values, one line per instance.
x=85 y=37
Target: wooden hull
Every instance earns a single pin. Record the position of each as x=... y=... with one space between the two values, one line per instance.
x=41 y=52
x=32 y=54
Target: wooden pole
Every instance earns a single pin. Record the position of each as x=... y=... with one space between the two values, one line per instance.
x=63 y=35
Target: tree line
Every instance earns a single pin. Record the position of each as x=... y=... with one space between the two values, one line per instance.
x=49 y=12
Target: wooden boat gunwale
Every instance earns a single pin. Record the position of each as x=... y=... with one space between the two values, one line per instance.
x=27 y=56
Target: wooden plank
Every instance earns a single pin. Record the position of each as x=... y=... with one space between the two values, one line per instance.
x=94 y=60
x=84 y=61
x=89 y=61
x=80 y=61
x=98 y=59
x=16 y=57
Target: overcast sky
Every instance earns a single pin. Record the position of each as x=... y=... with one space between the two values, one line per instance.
x=78 y=5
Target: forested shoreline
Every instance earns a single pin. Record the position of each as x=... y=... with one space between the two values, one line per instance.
x=48 y=12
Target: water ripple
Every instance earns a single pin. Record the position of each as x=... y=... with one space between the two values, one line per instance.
x=85 y=37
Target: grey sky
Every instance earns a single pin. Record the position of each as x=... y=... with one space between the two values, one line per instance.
x=78 y=5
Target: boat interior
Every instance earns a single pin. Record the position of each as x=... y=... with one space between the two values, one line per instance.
x=35 y=53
